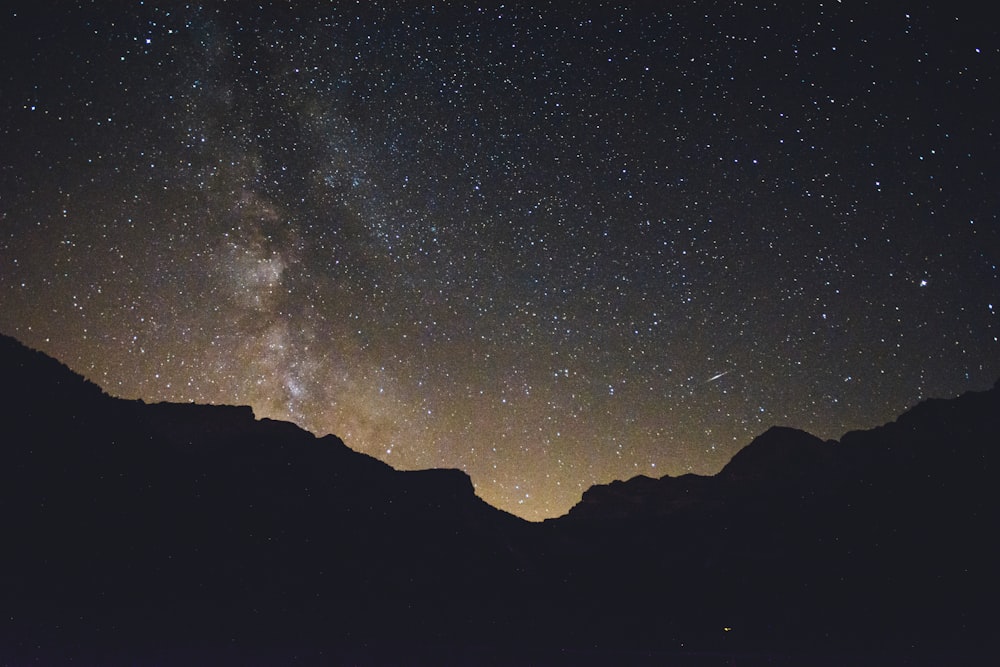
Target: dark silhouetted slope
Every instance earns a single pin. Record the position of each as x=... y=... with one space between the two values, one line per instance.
x=115 y=509
x=187 y=534
x=886 y=538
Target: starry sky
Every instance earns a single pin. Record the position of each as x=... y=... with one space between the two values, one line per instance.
x=552 y=245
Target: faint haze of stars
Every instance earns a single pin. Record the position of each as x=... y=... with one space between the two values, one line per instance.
x=551 y=246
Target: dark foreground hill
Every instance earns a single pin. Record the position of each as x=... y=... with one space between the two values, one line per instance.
x=184 y=534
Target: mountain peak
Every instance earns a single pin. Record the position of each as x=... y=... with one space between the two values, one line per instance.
x=778 y=452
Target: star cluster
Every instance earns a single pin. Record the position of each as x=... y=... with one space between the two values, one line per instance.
x=551 y=245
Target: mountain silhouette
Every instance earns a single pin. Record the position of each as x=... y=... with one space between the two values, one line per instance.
x=164 y=533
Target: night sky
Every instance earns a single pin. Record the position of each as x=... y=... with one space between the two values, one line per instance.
x=551 y=246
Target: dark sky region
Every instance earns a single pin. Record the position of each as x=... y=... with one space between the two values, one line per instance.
x=551 y=245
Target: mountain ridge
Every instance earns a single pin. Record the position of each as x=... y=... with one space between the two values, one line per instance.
x=142 y=526
x=779 y=453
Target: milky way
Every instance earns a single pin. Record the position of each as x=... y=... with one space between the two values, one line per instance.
x=551 y=246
